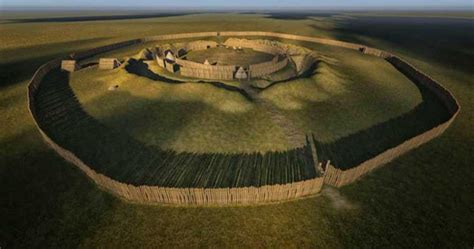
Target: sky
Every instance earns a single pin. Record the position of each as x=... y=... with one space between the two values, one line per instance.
x=241 y=4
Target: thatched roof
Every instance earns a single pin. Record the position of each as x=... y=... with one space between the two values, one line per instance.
x=170 y=56
x=241 y=74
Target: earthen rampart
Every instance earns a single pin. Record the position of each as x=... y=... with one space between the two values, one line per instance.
x=246 y=195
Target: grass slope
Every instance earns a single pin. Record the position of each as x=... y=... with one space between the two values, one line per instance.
x=196 y=117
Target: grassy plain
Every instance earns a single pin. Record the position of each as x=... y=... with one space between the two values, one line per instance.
x=423 y=199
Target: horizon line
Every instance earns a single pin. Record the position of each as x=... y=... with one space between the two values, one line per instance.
x=464 y=8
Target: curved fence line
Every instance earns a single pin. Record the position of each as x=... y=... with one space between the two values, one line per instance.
x=200 y=45
x=257 y=46
x=166 y=195
x=246 y=195
x=197 y=65
x=196 y=196
x=337 y=177
x=269 y=67
x=224 y=72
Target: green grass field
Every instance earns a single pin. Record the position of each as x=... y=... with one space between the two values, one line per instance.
x=198 y=117
x=114 y=153
x=423 y=199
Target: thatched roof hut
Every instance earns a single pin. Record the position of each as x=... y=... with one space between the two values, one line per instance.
x=108 y=63
x=241 y=74
x=69 y=65
x=170 y=56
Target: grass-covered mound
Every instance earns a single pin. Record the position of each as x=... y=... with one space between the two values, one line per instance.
x=346 y=93
x=198 y=117
x=112 y=152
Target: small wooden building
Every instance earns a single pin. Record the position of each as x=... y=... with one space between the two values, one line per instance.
x=170 y=62
x=108 y=63
x=241 y=74
x=69 y=65
x=171 y=66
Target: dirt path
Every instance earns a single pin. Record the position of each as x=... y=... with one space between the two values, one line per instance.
x=338 y=201
x=294 y=135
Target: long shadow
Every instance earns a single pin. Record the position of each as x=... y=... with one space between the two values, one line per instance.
x=451 y=38
x=95 y=18
x=40 y=192
x=120 y=156
x=310 y=72
x=139 y=68
x=89 y=64
x=358 y=147
x=229 y=88
x=293 y=15
x=16 y=70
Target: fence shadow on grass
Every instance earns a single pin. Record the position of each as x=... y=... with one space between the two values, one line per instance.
x=310 y=72
x=358 y=147
x=125 y=159
x=140 y=68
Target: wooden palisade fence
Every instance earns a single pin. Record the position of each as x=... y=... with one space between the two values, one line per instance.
x=247 y=195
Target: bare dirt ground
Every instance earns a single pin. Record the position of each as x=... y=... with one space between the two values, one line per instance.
x=229 y=56
x=338 y=201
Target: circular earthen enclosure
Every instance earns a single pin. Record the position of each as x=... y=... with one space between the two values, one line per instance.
x=48 y=112
x=234 y=59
